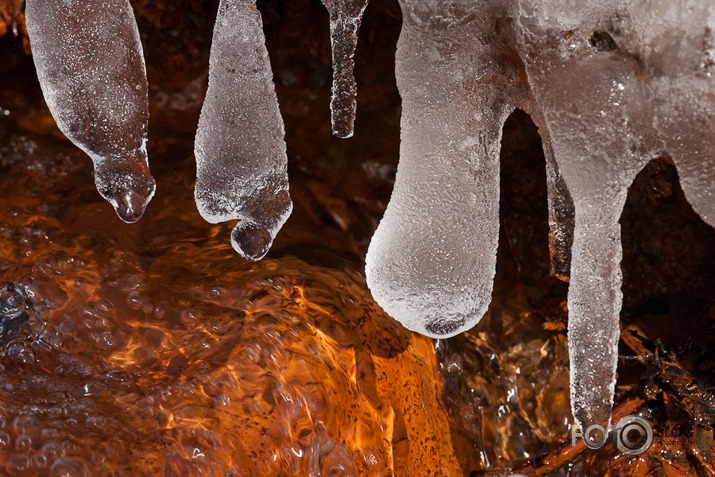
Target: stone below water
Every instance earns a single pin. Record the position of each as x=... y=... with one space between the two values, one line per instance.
x=154 y=350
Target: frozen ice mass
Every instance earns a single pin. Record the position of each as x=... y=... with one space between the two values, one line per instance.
x=90 y=64
x=610 y=84
x=241 y=162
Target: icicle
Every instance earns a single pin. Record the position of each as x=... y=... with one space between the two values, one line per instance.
x=91 y=68
x=611 y=99
x=431 y=262
x=596 y=160
x=345 y=16
x=240 y=149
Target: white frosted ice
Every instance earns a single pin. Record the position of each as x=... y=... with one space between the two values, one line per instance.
x=432 y=260
x=345 y=17
x=611 y=85
x=241 y=160
x=90 y=64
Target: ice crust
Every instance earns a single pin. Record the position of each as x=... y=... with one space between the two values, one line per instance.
x=240 y=150
x=90 y=64
x=610 y=84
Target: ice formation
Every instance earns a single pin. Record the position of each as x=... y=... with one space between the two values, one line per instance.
x=91 y=68
x=240 y=150
x=610 y=84
x=345 y=16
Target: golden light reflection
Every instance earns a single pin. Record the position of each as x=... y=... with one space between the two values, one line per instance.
x=174 y=357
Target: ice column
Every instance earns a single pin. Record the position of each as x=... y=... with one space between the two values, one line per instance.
x=240 y=150
x=345 y=16
x=588 y=101
x=91 y=69
x=431 y=262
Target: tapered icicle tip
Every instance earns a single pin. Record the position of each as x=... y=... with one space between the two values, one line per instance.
x=251 y=240
x=130 y=206
x=594 y=422
x=129 y=187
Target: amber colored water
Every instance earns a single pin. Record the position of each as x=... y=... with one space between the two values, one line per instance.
x=152 y=349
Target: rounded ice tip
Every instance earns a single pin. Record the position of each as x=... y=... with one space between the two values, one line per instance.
x=251 y=241
x=130 y=198
x=130 y=206
x=343 y=132
x=127 y=185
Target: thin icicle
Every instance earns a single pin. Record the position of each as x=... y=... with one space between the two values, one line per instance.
x=345 y=17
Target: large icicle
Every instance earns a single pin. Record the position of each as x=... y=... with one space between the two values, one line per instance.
x=613 y=92
x=240 y=150
x=91 y=68
x=345 y=16
x=591 y=101
x=431 y=262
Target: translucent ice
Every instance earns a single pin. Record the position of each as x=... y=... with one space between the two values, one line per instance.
x=432 y=260
x=585 y=102
x=679 y=50
x=614 y=86
x=345 y=16
x=240 y=149
x=610 y=84
x=91 y=68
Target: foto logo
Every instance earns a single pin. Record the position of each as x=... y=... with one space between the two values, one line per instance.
x=633 y=435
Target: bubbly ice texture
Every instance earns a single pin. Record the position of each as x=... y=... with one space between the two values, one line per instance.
x=621 y=84
x=587 y=103
x=610 y=84
x=240 y=150
x=432 y=260
x=90 y=64
x=345 y=17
